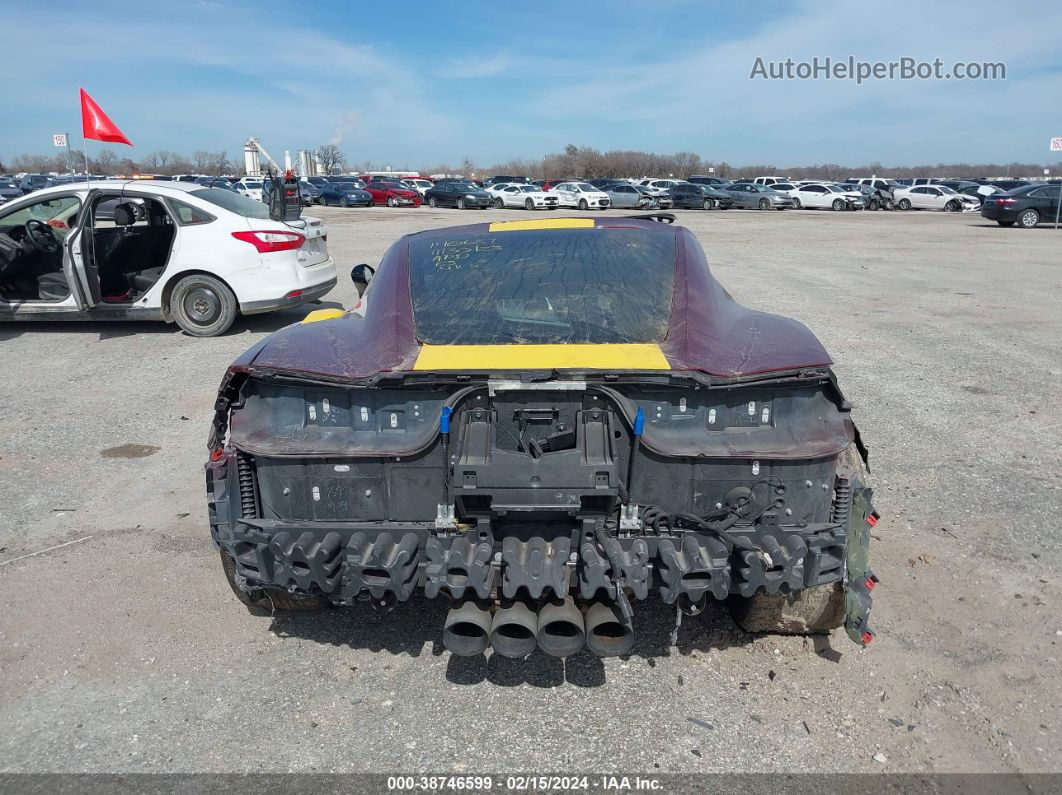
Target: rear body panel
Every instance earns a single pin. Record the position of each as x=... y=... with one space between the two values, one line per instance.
x=351 y=461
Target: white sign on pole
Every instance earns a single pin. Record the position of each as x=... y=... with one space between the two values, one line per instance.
x=60 y=139
x=1056 y=144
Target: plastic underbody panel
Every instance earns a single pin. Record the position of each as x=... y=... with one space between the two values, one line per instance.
x=345 y=492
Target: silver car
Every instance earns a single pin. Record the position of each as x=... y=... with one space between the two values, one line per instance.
x=628 y=196
x=752 y=196
x=660 y=199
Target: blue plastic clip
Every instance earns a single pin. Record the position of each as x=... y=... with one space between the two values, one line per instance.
x=639 y=422
x=444 y=419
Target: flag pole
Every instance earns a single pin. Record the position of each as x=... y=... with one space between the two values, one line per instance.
x=84 y=149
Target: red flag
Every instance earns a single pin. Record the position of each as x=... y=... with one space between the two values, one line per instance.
x=95 y=124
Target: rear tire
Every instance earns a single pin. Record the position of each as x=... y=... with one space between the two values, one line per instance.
x=1028 y=219
x=267 y=599
x=796 y=204
x=203 y=306
x=813 y=611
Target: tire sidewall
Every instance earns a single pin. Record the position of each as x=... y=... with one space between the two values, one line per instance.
x=904 y=204
x=228 y=306
x=1030 y=214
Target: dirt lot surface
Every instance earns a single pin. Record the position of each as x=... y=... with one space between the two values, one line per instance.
x=125 y=650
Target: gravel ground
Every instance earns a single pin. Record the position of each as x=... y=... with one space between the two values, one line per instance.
x=125 y=651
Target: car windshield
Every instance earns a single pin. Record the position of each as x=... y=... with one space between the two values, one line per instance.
x=252 y=184
x=834 y=189
x=586 y=186
x=344 y=186
x=529 y=189
x=233 y=202
x=542 y=286
x=945 y=189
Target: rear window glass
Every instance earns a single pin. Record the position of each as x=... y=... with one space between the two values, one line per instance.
x=233 y=202
x=543 y=286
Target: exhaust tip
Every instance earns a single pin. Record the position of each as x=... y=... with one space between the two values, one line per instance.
x=514 y=631
x=466 y=630
x=607 y=634
x=560 y=628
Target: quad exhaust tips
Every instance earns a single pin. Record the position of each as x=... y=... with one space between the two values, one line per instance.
x=608 y=633
x=561 y=632
x=559 y=629
x=514 y=631
x=466 y=631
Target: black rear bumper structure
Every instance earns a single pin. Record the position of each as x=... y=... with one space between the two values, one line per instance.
x=543 y=505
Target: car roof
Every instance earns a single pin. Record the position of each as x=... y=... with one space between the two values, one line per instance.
x=115 y=184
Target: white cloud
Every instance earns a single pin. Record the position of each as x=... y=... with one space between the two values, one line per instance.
x=475 y=66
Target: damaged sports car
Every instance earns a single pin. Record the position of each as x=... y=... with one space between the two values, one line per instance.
x=545 y=423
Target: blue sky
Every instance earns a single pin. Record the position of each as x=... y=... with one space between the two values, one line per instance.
x=416 y=84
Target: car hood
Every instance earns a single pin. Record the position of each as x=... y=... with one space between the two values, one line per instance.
x=708 y=331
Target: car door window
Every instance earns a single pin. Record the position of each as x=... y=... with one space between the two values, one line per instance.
x=57 y=212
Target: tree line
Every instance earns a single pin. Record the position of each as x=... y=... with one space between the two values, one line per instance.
x=574 y=161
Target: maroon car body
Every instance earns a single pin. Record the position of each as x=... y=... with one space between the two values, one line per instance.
x=392 y=194
x=546 y=420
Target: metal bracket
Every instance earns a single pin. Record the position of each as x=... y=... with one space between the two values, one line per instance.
x=445 y=518
x=629 y=518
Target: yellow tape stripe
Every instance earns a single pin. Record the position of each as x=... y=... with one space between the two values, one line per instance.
x=541 y=357
x=318 y=315
x=551 y=223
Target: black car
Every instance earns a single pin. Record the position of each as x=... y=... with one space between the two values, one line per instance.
x=9 y=190
x=461 y=195
x=699 y=180
x=698 y=197
x=1026 y=206
x=344 y=194
x=1009 y=184
x=501 y=179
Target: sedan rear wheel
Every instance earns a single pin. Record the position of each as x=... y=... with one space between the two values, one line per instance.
x=202 y=305
x=529 y=204
x=1028 y=219
x=796 y=204
x=838 y=204
x=765 y=204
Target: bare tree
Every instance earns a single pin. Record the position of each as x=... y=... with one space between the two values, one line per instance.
x=106 y=163
x=468 y=166
x=331 y=157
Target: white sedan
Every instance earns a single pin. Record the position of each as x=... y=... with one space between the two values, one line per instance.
x=251 y=188
x=934 y=197
x=511 y=194
x=820 y=196
x=582 y=195
x=172 y=251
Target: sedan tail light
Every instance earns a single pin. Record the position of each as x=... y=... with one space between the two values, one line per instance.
x=268 y=241
x=1006 y=201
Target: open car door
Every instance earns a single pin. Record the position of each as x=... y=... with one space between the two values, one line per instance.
x=79 y=264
